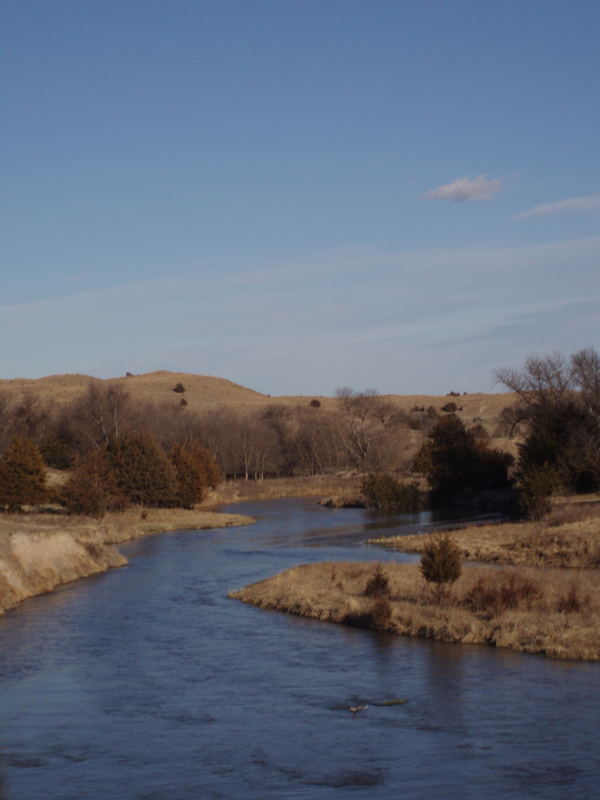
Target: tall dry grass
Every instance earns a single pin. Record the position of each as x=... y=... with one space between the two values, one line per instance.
x=552 y=612
x=41 y=551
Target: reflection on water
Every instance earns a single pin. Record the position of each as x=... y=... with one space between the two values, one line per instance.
x=147 y=682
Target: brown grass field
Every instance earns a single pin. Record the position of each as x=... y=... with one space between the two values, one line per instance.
x=551 y=612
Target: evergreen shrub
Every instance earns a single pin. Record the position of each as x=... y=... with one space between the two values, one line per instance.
x=383 y=492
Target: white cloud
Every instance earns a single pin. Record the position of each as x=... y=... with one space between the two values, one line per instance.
x=589 y=202
x=466 y=189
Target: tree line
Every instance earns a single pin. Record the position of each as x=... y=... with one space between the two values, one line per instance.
x=122 y=451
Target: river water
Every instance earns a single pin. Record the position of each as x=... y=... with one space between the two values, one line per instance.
x=147 y=683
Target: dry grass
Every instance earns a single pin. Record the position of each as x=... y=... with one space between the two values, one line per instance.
x=275 y=488
x=205 y=391
x=41 y=551
x=568 y=537
x=557 y=617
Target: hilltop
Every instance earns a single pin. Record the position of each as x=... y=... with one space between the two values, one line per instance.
x=206 y=391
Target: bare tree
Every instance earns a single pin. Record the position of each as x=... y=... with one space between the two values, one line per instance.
x=363 y=423
x=585 y=372
x=542 y=380
x=103 y=414
x=560 y=400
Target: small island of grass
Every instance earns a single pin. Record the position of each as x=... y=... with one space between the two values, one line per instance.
x=554 y=615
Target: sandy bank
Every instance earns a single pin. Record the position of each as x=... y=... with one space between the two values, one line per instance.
x=41 y=551
x=334 y=592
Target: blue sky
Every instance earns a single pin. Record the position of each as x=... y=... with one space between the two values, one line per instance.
x=299 y=195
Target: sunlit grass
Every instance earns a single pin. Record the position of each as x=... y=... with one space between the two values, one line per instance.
x=532 y=621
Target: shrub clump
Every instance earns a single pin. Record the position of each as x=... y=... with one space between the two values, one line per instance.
x=510 y=593
x=536 y=485
x=384 y=493
x=381 y=612
x=440 y=563
x=195 y=471
x=454 y=460
x=142 y=470
x=378 y=585
x=92 y=488
x=22 y=475
x=179 y=388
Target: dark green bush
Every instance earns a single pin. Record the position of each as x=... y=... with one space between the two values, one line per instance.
x=179 y=388
x=142 y=470
x=440 y=562
x=384 y=493
x=454 y=460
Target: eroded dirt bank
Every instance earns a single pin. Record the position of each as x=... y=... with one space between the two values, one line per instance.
x=39 y=552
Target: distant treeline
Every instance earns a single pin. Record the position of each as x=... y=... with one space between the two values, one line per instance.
x=130 y=451
x=363 y=432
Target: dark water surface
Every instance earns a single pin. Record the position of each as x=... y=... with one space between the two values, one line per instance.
x=148 y=683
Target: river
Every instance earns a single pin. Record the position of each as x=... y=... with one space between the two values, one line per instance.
x=148 y=683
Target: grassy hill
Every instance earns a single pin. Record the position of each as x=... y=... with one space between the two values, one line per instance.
x=205 y=391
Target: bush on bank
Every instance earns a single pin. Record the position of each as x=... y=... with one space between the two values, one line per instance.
x=383 y=492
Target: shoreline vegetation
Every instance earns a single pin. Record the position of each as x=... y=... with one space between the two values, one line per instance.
x=554 y=615
x=41 y=551
x=569 y=536
x=541 y=596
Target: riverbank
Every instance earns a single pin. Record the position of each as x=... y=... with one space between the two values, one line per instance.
x=40 y=551
x=554 y=614
x=569 y=536
x=318 y=486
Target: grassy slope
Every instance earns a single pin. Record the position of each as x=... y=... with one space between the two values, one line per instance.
x=204 y=391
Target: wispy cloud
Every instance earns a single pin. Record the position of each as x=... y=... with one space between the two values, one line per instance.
x=305 y=328
x=571 y=205
x=467 y=189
